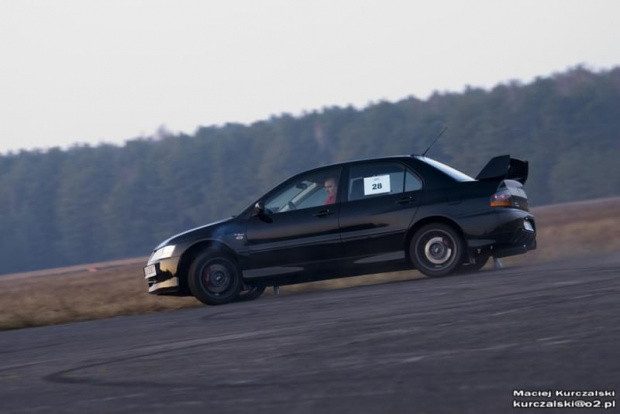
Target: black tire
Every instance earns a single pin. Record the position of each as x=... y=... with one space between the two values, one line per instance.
x=214 y=278
x=436 y=250
x=251 y=293
x=479 y=261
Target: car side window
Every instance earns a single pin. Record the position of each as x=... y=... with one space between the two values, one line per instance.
x=376 y=179
x=412 y=183
x=307 y=191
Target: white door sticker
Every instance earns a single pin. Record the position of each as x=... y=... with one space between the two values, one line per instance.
x=376 y=185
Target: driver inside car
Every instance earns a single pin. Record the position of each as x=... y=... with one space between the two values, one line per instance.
x=331 y=189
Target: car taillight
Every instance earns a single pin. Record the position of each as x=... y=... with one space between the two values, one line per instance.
x=502 y=198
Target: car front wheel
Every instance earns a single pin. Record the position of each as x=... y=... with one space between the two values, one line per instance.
x=214 y=278
x=436 y=250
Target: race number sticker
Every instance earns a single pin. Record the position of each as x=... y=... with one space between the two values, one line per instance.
x=376 y=185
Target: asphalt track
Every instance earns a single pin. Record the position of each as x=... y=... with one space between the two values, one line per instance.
x=460 y=344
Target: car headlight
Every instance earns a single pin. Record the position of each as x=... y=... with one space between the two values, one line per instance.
x=163 y=253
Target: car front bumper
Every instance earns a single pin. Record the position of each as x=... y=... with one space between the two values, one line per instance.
x=161 y=276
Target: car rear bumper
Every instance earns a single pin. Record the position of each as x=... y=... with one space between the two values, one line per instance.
x=161 y=276
x=515 y=234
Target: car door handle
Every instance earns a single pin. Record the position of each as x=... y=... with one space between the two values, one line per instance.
x=406 y=200
x=323 y=213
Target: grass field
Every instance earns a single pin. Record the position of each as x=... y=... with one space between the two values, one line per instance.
x=117 y=288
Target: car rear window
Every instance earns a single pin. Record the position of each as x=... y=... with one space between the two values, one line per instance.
x=456 y=174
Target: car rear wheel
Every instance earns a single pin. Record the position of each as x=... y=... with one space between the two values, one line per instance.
x=251 y=293
x=214 y=278
x=436 y=250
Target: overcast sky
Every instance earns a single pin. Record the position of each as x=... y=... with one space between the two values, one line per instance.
x=107 y=71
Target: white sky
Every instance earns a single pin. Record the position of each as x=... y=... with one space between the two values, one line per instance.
x=107 y=71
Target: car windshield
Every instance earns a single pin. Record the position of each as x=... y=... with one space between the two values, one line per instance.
x=456 y=174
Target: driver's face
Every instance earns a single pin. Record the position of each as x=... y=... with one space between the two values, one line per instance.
x=330 y=186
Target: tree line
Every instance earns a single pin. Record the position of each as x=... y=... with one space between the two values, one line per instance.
x=85 y=204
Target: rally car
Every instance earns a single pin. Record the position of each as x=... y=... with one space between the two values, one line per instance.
x=352 y=218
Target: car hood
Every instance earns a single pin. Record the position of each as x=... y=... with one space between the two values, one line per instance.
x=210 y=230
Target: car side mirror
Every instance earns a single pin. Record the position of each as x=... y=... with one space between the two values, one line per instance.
x=259 y=208
x=261 y=212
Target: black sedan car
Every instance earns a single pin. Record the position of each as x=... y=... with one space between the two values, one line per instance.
x=349 y=219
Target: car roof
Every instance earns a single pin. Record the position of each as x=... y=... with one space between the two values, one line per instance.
x=354 y=161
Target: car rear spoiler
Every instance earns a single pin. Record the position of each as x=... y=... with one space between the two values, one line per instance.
x=504 y=168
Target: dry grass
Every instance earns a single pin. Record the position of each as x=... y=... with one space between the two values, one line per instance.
x=78 y=296
x=117 y=288
x=574 y=230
